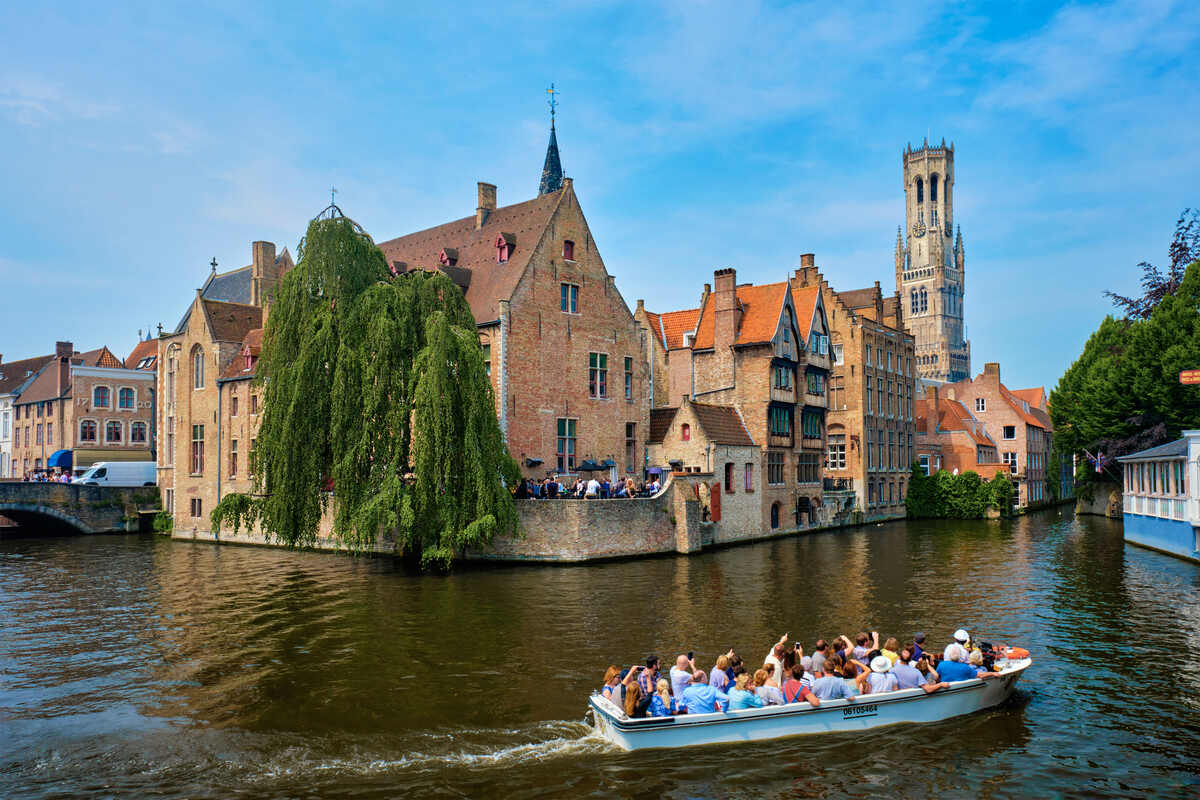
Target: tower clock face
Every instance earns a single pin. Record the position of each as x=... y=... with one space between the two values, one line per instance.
x=918 y=229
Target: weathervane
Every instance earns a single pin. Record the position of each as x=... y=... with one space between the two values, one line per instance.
x=552 y=101
x=332 y=192
x=214 y=263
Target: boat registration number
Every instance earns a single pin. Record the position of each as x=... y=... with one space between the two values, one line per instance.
x=853 y=712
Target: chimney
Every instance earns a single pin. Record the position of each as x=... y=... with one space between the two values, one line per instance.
x=262 y=271
x=992 y=369
x=486 y=204
x=704 y=295
x=63 y=352
x=641 y=305
x=727 y=315
x=810 y=260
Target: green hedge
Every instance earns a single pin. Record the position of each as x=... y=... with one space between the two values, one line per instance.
x=963 y=496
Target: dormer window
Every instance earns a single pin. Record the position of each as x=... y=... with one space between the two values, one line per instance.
x=448 y=257
x=505 y=244
x=568 y=250
x=249 y=358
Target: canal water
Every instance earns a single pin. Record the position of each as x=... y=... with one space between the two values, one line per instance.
x=134 y=666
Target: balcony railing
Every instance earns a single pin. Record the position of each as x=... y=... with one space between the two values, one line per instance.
x=837 y=484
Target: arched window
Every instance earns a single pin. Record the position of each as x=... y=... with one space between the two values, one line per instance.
x=914 y=301
x=112 y=432
x=87 y=430
x=924 y=300
x=685 y=432
x=198 y=368
x=172 y=367
x=920 y=191
x=933 y=188
x=101 y=397
x=774 y=516
x=125 y=397
x=137 y=432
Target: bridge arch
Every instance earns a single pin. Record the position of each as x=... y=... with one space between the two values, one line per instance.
x=30 y=515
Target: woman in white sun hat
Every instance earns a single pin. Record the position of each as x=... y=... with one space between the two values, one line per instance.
x=881 y=678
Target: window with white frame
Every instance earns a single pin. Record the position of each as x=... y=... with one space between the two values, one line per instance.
x=981 y=404
x=1011 y=460
x=835 y=457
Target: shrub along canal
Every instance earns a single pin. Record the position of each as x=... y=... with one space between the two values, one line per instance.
x=137 y=665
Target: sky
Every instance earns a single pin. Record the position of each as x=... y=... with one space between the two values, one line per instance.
x=141 y=140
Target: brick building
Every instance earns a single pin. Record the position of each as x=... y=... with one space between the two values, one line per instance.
x=870 y=432
x=713 y=441
x=81 y=408
x=1019 y=423
x=204 y=401
x=950 y=437
x=764 y=351
x=568 y=363
x=15 y=377
x=666 y=333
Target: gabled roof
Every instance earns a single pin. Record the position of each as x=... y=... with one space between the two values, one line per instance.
x=233 y=286
x=1036 y=396
x=1175 y=449
x=951 y=416
x=231 y=321
x=761 y=307
x=859 y=298
x=660 y=423
x=488 y=282
x=45 y=385
x=722 y=424
x=147 y=348
x=16 y=374
x=671 y=326
x=236 y=369
x=1018 y=404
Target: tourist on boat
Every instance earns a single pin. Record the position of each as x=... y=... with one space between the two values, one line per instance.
x=864 y=644
x=880 y=678
x=700 y=698
x=806 y=667
x=648 y=677
x=917 y=650
x=741 y=697
x=924 y=665
x=775 y=655
x=956 y=668
x=794 y=690
x=891 y=649
x=853 y=677
x=771 y=695
x=910 y=677
x=615 y=682
x=843 y=647
x=975 y=661
x=636 y=704
x=830 y=686
x=662 y=704
x=719 y=679
x=735 y=663
x=820 y=652
x=681 y=675
x=961 y=638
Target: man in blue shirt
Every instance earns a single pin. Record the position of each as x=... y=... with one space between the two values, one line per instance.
x=700 y=698
x=909 y=677
x=955 y=668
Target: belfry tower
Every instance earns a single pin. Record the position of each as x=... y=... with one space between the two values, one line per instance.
x=930 y=276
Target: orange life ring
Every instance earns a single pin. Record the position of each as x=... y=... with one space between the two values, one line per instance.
x=1017 y=652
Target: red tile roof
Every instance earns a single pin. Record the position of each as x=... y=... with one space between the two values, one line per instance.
x=144 y=349
x=722 y=424
x=1036 y=396
x=237 y=367
x=231 y=321
x=951 y=416
x=761 y=307
x=45 y=385
x=1017 y=405
x=489 y=282
x=805 y=301
x=676 y=323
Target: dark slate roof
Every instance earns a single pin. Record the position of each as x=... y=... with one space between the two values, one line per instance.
x=228 y=287
x=552 y=177
x=722 y=424
x=1175 y=449
x=660 y=423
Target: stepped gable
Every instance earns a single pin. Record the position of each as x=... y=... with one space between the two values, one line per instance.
x=660 y=423
x=760 y=307
x=488 y=282
x=14 y=374
x=722 y=424
x=230 y=322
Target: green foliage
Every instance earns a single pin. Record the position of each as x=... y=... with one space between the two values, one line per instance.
x=164 y=522
x=235 y=510
x=374 y=385
x=1123 y=393
x=962 y=496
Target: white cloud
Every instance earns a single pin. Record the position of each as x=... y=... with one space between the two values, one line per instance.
x=33 y=101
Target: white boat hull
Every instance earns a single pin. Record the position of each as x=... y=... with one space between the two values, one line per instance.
x=797 y=719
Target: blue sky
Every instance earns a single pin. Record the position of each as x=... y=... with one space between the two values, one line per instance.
x=141 y=140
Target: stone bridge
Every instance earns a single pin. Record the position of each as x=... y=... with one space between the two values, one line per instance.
x=70 y=508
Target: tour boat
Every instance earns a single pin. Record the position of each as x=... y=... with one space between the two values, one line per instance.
x=796 y=719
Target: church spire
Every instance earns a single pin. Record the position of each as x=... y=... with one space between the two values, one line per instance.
x=552 y=177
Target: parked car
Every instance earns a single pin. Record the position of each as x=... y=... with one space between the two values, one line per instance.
x=119 y=473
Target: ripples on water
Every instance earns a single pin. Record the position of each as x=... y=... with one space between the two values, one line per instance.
x=136 y=665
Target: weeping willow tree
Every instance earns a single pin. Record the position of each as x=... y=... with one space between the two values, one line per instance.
x=377 y=386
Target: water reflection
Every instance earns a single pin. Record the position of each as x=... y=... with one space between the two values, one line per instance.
x=198 y=671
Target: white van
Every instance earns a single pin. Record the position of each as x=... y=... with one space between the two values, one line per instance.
x=119 y=473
